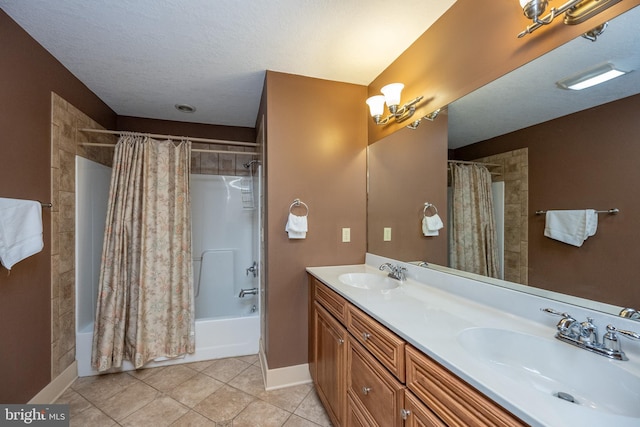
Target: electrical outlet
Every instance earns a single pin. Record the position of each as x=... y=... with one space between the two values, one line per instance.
x=346 y=235
x=387 y=234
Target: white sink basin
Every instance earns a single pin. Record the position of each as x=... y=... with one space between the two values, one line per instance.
x=557 y=369
x=368 y=281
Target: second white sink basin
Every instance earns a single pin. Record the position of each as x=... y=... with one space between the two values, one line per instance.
x=368 y=281
x=557 y=369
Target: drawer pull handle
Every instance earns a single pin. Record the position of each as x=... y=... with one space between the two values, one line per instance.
x=366 y=390
x=366 y=335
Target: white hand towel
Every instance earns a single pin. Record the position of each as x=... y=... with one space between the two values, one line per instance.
x=20 y=230
x=431 y=225
x=571 y=226
x=297 y=226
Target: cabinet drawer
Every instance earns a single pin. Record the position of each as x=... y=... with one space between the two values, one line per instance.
x=372 y=389
x=330 y=300
x=450 y=398
x=387 y=347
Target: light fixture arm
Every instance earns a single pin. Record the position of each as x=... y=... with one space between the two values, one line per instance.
x=546 y=20
x=400 y=114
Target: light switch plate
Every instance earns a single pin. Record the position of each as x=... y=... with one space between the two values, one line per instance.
x=387 y=234
x=346 y=235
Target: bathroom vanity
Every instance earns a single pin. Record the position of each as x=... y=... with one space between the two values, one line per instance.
x=440 y=350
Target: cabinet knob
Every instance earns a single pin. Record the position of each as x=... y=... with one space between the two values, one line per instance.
x=366 y=390
x=340 y=341
x=404 y=413
x=366 y=335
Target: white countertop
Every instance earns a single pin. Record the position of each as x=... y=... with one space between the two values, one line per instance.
x=429 y=312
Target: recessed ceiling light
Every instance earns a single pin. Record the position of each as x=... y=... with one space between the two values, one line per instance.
x=185 y=108
x=591 y=77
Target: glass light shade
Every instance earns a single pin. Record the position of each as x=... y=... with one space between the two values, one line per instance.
x=392 y=93
x=523 y=3
x=376 y=105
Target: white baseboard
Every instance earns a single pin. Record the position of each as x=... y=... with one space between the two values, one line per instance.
x=55 y=388
x=283 y=377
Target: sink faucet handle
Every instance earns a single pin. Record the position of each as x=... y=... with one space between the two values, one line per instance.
x=566 y=325
x=386 y=265
x=628 y=334
x=553 y=312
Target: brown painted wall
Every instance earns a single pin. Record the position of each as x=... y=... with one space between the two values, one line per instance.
x=316 y=151
x=406 y=170
x=584 y=160
x=197 y=130
x=28 y=75
x=473 y=43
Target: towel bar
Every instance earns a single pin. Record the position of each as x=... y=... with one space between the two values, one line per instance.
x=608 y=211
x=298 y=202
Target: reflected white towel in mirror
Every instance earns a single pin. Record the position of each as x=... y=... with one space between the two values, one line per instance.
x=572 y=227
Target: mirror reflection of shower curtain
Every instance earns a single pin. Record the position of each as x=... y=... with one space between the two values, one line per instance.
x=473 y=231
x=145 y=299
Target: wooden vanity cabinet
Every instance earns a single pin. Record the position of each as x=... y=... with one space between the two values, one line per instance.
x=367 y=376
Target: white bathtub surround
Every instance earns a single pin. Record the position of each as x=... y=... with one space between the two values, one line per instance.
x=215 y=339
x=433 y=311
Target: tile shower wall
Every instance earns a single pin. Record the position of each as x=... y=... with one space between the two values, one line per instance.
x=515 y=174
x=220 y=163
x=65 y=144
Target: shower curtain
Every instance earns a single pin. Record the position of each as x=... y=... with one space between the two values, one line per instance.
x=145 y=300
x=473 y=247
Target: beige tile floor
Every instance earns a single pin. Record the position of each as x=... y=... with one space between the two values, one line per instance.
x=224 y=392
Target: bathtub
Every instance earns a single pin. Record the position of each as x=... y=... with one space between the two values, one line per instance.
x=216 y=338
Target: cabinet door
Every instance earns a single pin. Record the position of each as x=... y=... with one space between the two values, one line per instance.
x=417 y=414
x=373 y=390
x=331 y=352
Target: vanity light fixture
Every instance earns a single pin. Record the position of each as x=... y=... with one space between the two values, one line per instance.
x=431 y=117
x=576 y=12
x=591 y=77
x=391 y=97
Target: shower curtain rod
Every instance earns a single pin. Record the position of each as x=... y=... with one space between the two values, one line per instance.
x=193 y=150
x=157 y=135
x=465 y=162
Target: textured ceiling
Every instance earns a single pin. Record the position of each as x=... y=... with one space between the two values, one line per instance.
x=141 y=57
x=529 y=95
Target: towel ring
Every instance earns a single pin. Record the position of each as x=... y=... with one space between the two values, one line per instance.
x=427 y=206
x=298 y=202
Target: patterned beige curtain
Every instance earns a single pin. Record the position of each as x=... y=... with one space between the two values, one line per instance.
x=473 y=246
x=145 y=301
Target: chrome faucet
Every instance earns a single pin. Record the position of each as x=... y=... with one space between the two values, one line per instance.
x=395 y=271
x=245 y=292
x=630 y=313
x=585 y=335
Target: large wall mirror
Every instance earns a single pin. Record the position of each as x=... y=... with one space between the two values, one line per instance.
x=574 y=150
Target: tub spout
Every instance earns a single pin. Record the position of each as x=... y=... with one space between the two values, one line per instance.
x=251 y=291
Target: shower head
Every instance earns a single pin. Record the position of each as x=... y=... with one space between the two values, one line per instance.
x=248 y=164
